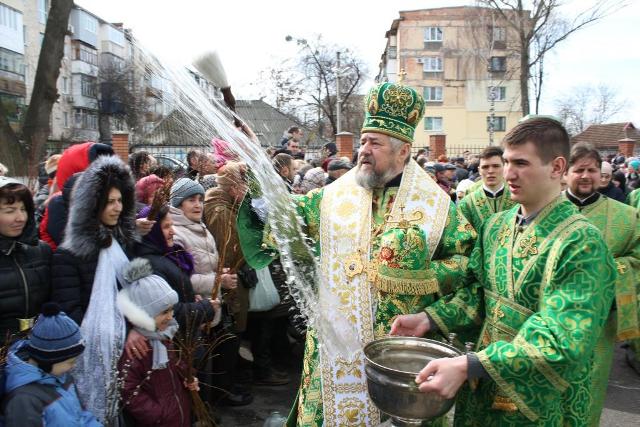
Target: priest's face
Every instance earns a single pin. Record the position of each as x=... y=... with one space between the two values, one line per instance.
x=380 y=159
x=583 y=177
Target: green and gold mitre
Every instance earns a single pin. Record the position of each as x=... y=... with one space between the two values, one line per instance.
x=393 y=109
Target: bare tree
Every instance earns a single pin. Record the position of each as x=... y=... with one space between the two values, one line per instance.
x=307 y=84
x=121 y=96
x=35 y=130
x=588 y=105
x=540 y=28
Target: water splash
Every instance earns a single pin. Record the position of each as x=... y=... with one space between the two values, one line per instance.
x=198 y=118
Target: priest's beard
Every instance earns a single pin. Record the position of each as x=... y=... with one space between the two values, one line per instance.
x=371 y=179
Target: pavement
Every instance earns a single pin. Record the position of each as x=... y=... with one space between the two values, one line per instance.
x=622 y=406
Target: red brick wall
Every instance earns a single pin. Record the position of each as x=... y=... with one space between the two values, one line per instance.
x=121 y=145
x=437 y=146
x=344 y=141
x=626 y=147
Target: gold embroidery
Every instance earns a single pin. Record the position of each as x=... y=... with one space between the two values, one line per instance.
x=353 y=265
x=504 y=234
x=527 y=246
x=621 y=267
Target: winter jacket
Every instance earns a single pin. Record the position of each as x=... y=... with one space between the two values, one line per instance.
x=74 y=264
x=220 y=215
x=34 y=398
x=24 y=278
x=56 y=214
x=162 y=399
x=180 y=282
x=613 y=192
x=198 y=241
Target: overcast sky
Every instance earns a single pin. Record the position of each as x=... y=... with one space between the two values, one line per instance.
x=250 y=36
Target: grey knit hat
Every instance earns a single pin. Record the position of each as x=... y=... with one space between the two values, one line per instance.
x=145 y=295
x=183 y=189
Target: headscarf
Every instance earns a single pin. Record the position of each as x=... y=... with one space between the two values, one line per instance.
x=176 y=253
x=222 y=152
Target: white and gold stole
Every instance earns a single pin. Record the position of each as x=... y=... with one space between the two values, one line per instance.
x=345 y=242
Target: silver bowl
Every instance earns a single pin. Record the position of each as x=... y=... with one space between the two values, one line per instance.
x=391 y=366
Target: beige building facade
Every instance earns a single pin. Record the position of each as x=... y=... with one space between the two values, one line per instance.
x=464 y=62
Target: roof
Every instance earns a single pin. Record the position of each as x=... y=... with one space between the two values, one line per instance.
x=607 y=135
x=270 y=124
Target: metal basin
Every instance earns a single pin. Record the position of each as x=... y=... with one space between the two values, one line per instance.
x=391 y=365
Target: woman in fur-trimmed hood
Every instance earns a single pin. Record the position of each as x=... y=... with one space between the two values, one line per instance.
x=74 y=263
x=86 y=271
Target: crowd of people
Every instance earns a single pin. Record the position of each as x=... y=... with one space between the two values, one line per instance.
x=120 y=282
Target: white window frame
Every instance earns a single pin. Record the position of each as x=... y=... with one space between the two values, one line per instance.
x=437 y=124
x=500 y=92
x=433 y=34
x=434 y=93
x=501 y=33
x=432 y=64
x=91 y=24
x=42 y=11
x=9 y=17
x=496 y=123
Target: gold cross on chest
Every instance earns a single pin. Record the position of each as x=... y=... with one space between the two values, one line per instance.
x=497 y=313
x=621 y=267
x=528 y=246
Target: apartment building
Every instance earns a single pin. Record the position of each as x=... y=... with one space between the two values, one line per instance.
x=465 y=62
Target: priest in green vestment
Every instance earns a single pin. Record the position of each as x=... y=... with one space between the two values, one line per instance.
x=544 y=287
x=620 y=228
x=389 y=241
x=633 y=198
x=492 y=196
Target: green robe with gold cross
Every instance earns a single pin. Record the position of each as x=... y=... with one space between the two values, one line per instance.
x=543 y=294
x=620 y=228
x=476 y=206
x=407 y=278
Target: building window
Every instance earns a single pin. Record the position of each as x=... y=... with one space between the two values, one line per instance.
x=499 y=93
x=433 y=124
x=86 y=54
x=433 y=34
x=8 y=17
x=85 y=119
x=498 y=64
x=12 y=62
x=432 y=64
x=88 y=86
x=42 y=11
x=499 y=123
x=392 y=53
x=65 y=85
x=433 y=93
x=65 y=119
x=499 y=34
x=90 y=24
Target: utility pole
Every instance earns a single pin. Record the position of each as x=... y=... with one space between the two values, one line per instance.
x=338 y=100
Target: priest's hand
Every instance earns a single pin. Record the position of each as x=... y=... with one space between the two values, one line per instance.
x=443 y=376
x=411 y=325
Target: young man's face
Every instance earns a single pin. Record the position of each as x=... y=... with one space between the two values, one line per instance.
x=491 y=171
x=528 y=178
x=583 y=177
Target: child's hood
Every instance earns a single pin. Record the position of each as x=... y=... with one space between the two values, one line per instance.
x=19 y=372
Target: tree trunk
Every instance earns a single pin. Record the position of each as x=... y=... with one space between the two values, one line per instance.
x=104 y=127
x=524 y=75
x=45 y=94
x=11 y=150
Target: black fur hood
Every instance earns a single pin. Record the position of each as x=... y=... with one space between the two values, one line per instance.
x=85 y=235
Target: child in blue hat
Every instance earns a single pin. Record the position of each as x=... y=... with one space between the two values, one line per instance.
x=39 y=389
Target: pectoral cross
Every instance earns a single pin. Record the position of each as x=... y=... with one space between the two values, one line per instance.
x=497 y=313
x=621 y=267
